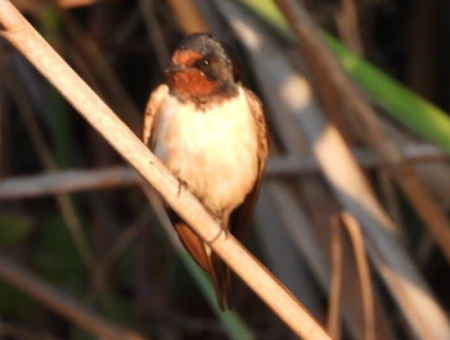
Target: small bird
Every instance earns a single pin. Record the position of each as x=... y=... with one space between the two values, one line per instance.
x=210 y=132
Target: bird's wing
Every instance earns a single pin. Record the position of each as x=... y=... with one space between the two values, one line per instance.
x=153 y=107
x=241 y=217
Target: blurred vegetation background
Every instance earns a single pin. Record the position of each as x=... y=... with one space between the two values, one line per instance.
x=85 y=255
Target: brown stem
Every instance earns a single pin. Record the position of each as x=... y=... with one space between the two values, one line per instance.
x=62 y=304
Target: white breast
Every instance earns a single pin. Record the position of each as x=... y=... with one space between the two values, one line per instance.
x=214 y=152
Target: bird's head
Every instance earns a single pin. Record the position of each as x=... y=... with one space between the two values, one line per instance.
x=201 y=67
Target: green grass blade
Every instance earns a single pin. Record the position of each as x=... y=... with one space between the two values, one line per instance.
x=419 y=115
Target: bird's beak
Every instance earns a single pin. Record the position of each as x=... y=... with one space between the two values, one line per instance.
x=174 y=69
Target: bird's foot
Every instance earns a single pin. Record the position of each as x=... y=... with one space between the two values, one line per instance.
x=181 y=184
x=223 y=229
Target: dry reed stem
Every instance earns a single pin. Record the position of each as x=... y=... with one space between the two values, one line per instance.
x=420 y=308
x=429 y=210
x=391 y=198
x=300 y=230
x=347 y=20
x=66 y=182
x=30 y=6
x=1 y=126
x=94 y=61
x=281 y=248
x=62 y=304
x=58 y=182
x=322 y=62
x=296 y=164
x=354 y=230
x=435 y=175
x=154 y=32
x=188 y=17
x=77 y=3
x=123 y=242
x=334 y=320
x=11 y=331
x=23 y=36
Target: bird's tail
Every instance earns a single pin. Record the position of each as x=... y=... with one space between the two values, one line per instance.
x=207 y=260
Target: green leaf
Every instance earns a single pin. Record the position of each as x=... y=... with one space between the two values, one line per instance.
x=419 y=115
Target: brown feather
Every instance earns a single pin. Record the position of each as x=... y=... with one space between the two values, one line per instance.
x=153 y=107
x=241 y=217
x=193 y=83
x=207 y=260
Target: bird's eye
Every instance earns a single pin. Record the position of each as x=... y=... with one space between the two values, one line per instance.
x=203 y=63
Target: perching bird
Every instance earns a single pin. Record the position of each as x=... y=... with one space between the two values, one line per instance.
x=210 y=132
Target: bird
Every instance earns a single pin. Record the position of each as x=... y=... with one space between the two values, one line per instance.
x=209 y=130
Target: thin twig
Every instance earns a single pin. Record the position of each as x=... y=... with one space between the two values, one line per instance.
x=154 y=32
x=23 y=36
x=188 y=17
x=333 y=322
x=355 y=233
x=62 y=304
x=127 y=237
x=96 y=62
x=347 y=21
x=57 y=182
x=1 y=125
x=11 y=331
x=431 y=212
x=66 y=182
x=281 y=248
x=391 y=200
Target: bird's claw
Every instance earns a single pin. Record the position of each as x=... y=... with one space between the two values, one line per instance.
x=181 y=184
x=223 y=229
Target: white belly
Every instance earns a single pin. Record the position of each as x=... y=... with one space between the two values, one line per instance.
x=214 y=152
